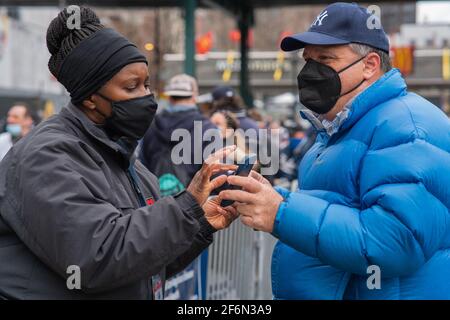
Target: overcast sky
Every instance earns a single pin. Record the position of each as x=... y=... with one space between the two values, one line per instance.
x=433 y=11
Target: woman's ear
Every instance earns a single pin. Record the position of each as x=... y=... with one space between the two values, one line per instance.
x=372 y=65
x=92 y=108
x=89 y=103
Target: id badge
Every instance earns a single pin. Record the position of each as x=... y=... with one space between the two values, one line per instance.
x=157 y=288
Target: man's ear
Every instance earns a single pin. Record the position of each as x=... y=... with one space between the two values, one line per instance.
x=372 y=65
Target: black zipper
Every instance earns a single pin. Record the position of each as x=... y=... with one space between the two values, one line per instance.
x=132 y=177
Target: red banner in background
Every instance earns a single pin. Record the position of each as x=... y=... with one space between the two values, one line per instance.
x=283 y=35
x=235 y=37
x=204 y=43
x=403 y=59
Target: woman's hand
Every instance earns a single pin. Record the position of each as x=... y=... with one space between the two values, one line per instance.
x=220 y=218
x=202 y=185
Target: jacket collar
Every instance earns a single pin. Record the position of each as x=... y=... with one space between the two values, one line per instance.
x=319 y=122
x=389 y=86
x=123 y=147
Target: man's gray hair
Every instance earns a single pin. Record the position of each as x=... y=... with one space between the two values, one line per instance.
x=362 y=50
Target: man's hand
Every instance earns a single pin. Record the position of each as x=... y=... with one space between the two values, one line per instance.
x=257 y=203
x=220 y=218
x=258 y=177
x=201 y=186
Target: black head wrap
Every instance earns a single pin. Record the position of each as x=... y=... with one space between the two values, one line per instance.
x=94 y=61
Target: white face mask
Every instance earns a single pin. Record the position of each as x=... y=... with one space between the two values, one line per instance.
x=14 y=129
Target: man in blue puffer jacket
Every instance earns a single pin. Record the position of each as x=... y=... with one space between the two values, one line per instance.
x=371 y=217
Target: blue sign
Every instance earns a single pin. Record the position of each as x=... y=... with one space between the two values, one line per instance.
x=188 y=284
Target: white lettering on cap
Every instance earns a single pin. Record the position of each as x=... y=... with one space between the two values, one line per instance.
x=320 y=18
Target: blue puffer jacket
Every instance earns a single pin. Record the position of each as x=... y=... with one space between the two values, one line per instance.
x=377 y=192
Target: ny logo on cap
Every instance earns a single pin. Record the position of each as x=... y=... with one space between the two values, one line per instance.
x=320 y=18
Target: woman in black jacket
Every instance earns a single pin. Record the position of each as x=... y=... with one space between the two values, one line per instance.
x=80 y=218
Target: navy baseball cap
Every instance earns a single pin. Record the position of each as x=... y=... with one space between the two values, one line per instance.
x=341 y=23
x=222 y=92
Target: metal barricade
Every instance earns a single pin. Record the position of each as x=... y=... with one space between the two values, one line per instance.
x=239 y=264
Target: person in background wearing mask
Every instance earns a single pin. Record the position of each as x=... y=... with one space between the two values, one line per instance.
x=80 y=218
x=19 y=122
x=371 y=217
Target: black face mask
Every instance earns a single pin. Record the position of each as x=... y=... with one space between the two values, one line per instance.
x=130 y=118
x=320 y=86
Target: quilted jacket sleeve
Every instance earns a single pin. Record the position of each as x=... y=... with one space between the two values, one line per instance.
x=402 y=222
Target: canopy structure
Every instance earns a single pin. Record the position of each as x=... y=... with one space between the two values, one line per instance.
x=242 y=10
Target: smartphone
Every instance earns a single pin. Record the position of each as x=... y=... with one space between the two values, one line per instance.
x=243 y=170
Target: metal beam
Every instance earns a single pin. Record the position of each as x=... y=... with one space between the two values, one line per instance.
x=228 y=9
x=244 y=22
x=189 y=37
x=229 y=5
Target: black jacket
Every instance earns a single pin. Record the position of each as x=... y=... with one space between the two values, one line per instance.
x=66 y=199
